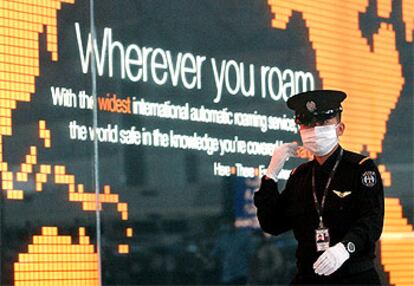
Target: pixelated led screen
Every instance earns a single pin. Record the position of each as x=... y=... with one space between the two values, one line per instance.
x=191 y=100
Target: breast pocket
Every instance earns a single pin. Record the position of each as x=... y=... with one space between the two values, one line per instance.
x=340 y=205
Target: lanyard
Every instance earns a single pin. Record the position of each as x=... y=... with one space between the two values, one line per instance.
x=319 y=207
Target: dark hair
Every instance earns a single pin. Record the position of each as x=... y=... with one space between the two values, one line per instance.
x=339 y=116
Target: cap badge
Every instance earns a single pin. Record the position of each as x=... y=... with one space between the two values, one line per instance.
x=310 y=106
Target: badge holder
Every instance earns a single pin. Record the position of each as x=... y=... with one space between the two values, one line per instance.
x=322 y=238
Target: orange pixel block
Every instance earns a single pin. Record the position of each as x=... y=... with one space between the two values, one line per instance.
x=129 y=232
x=88 y=200
x=372 y=78
x=408 y=18
x=123 y=248
x=44 y=133
x=21 y=22
x=53 y=259
x=397 y=245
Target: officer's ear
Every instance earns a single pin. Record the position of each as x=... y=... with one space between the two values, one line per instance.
x=340 y=129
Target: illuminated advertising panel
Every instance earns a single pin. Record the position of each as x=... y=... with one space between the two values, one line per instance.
x=191 y=100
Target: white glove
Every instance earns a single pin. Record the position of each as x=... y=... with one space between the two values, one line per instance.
x=331 y=259
x=279 y=157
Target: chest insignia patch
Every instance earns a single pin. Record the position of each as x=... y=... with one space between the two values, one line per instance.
x=369 y=179
x=341 y=194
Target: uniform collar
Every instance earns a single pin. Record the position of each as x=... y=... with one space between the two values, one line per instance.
x=330 y=162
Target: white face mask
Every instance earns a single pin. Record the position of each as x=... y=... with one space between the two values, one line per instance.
x=320 y=140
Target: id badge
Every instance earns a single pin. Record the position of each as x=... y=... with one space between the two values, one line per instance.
x=322 y=239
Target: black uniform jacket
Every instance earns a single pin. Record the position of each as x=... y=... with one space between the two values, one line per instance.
x=354 y=208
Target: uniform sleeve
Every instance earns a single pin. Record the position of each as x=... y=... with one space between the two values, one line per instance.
x=370 y=199
x=271 y=207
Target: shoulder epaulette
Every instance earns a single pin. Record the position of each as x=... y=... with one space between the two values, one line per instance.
x=363 y=160
x=354 y=158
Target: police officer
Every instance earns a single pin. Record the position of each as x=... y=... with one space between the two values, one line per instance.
x=334 y=204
